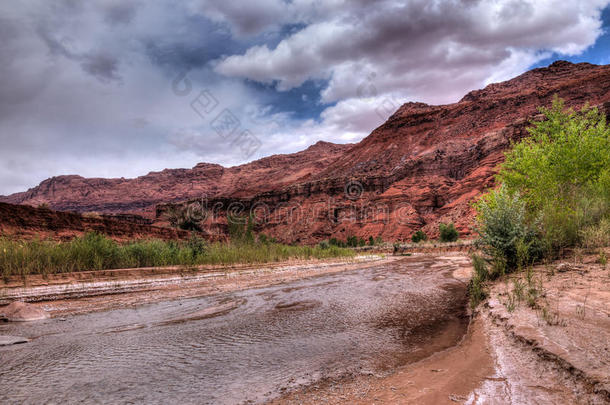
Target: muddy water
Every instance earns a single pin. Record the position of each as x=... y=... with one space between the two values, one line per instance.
x=237 y=347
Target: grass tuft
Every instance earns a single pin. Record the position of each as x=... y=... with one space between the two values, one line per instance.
x=94 y=251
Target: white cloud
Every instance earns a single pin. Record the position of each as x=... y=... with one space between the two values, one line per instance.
x=86 y=87
x=430 y=51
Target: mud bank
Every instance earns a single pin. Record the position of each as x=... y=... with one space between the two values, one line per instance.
x=568 y=327
x=556 y=355
x=243 y=345
x=99 y=290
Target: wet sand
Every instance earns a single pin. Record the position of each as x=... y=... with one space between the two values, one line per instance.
x=114 y=289
x=447 y=376
x=239 y=344
x=510 y=358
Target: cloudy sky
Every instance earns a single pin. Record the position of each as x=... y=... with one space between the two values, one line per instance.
x=118 y=88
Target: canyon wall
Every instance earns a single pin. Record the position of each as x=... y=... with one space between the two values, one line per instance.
x=25 y=222
x=423 y=166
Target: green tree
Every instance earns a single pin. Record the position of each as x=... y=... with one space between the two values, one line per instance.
x=562 y=171
x=419 y=236
x=448 y=233
x=504 y=229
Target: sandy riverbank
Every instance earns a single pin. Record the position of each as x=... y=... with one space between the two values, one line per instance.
x=506 y=357
x=510 y=355
x=75 y=293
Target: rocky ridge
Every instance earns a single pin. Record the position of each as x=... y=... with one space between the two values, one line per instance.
x=423 y=166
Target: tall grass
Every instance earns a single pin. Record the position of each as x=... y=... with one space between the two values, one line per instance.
x=97 y=252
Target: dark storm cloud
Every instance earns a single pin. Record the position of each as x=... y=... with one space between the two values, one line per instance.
x=102 y=66
x=120 y=13
x=81 y=93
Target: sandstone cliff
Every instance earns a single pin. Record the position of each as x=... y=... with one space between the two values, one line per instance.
x=423 y=166
x=140 y=195
x=25 y=222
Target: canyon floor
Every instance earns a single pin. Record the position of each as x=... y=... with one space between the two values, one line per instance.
x=385 y=330
x=555 y=353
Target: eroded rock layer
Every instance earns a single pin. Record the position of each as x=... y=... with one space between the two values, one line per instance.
x=423 y=166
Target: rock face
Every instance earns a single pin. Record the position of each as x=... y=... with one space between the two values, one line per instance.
x=25 y=222
x=423 y=166
x=140 y=195
x=22 y=312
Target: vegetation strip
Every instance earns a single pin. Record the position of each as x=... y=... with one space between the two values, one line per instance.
x=98 y=252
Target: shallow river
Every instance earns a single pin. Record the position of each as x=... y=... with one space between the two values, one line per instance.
x=243 y=346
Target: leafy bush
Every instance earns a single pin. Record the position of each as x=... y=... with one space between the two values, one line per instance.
x=352 y=241
x=504 y=231
x=563 y=172
x=603 y=259
x=596 y=236
x=480 y=267
x=448 y=233
x=197 y=245
x=481 y=274
x=337 y=242
x=554 y=193
x=241 y=229
x=419 y=236
x=371 y=241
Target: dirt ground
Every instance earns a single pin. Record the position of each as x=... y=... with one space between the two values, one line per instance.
x=528 y=355
x=554 y=351
x=129 y=288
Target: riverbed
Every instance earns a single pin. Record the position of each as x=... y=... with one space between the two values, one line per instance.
x=246 y=346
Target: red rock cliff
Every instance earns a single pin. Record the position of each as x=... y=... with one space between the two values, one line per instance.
x=140 y=195
x=423 y=166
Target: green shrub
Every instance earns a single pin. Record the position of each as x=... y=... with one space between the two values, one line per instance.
x=596 y=236
x=476 y=291
x=562 y=172
x=241 y=229
x=555 y=191
x=419 y=236
x=448 y=233
x=480 y=267
x=505 y=234
x=197 y=245
x=371 y=241
x=337 y=242
x=352 y=241
x=603 y=258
